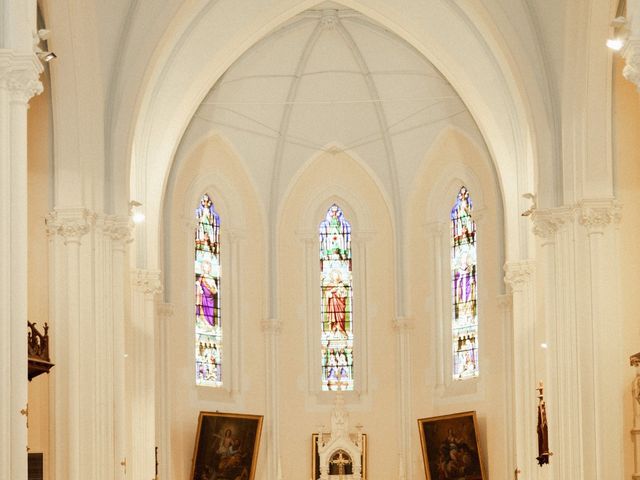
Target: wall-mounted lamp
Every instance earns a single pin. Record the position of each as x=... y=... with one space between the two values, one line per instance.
x=46 y=56
x=41 y=38
x=136 y=215
x=616 y=42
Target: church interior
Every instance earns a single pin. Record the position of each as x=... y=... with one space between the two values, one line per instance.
x=307 y=239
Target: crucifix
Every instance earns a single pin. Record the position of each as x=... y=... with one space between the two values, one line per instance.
x=341 y=462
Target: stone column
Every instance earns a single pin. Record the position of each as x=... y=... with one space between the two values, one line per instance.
x=120 y=232
x=557 y=364
x=141 y=374
x=599 y=337
x=520 y=279
x=72 y=338
x=271 y=329
x=402 y=327
x=439 y=279
x=19 y=74
x=163 y=405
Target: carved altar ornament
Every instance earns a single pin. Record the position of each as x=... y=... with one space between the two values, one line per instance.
x=635 y=362
x=340 y=452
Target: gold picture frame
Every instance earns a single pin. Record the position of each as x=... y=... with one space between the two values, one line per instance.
x=226 y=446
x=450 y=448
x=315 y=458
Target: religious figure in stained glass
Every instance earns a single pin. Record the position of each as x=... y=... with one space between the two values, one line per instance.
x=464 y=288
x=208 y=341
x=336 y=301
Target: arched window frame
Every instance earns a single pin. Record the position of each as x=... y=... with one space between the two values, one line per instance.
x=336 y=273
x=363 y=230
x=438 y=235
x=208 y=275
x=464 y=287
x=231 y=237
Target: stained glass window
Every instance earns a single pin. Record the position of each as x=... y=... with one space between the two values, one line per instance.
x=464 y=288
x=336 y=301
x=208 y=343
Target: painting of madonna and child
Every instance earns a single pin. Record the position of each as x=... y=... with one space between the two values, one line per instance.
x=450 y=447
x=226 y=446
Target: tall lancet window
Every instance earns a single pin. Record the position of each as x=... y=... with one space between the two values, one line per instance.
x=207 y=295
x=336 y=301
x=464 y=288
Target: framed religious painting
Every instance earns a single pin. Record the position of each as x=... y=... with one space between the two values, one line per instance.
x=450 y=447
x=348 y=466
x=226 y=446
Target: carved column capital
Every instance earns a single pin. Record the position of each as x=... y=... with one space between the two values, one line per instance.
x=596 y=215
x=271 y=326
x=547 y=222
x=70 y=223
x=118 y=229
x=402 y=325
x=147 y=281
x=20 y=74
x=631 y=54
x=518 y=274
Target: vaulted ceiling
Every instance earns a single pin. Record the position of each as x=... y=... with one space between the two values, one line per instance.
x=330 y=79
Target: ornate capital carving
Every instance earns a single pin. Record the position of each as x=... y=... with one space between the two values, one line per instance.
x=631 y=54
x=20 y=74
x=546 y=223
x=597 y=215
x=147 y=281
x=518 y=274
x=70 y=223
x=271 y=326
x=402 y=324
x=119 y=229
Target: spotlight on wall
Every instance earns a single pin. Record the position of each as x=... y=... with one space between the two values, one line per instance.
x=46 y=56
x=136 y=215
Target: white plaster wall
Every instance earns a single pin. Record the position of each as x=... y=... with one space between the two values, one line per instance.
x=341 y=179
x=454 y=161
x=329 y=177
x=213 y=168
